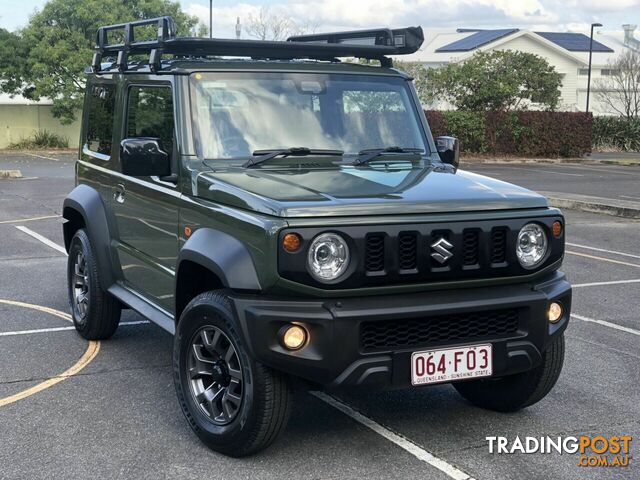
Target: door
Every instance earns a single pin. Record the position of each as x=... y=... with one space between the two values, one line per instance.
x=146 y=208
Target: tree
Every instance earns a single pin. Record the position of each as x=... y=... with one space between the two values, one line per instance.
x=271 y=26
x=12 y=66
x=57 y=45
x=419 y=74
x=619 y=92
x=497 y=80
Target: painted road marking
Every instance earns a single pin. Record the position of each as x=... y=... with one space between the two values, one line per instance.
x=92 y=350
x=615 y=252
x=529 y=169
x=606 y=324
x=607 y=170
x=561 y=173
x=40 y=156
x=61 y=329
x=32 y=219
x=597 y=284
x=44 y=240
x=40 y=308
x=402 y=442
x=602 y=259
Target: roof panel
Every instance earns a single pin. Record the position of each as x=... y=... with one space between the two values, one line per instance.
x=476 y=40
x=574 y=42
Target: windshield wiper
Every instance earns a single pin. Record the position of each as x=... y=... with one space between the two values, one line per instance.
x=264 y=155
x=369 y=154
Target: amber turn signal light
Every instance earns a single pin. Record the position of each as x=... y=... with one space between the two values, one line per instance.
x=291 y=242
x=557 y=228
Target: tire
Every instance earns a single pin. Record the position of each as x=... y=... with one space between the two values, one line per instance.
x=96 y=313
x=258 y=399
x=514 y=392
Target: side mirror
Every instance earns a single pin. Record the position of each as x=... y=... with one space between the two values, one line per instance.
x=143 y=157
x=449 y=150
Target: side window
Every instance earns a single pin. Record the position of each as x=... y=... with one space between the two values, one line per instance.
x=150 y=114
x=102 y=101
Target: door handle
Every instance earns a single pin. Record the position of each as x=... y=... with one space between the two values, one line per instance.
x=118 y=195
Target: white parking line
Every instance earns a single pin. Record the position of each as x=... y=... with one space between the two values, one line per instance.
x=629 y=172
x=606 y=324
x=561 y=173
x=602 y=259
x=615 y=252
x=513 y=167
x=40 y=156
x=408 y=445
x=20 y=220
x=597 y=284
x=60 y=329
x=44 y=240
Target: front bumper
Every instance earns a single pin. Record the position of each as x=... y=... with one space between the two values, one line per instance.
x=336 y=355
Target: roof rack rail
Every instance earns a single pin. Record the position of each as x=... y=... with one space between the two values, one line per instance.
x=166 y=30
x=369 y=44
x=405 y=40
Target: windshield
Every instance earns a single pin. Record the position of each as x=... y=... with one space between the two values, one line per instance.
x=235 y=114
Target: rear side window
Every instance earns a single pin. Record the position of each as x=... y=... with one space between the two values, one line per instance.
x=102 y=101
x=150 y=114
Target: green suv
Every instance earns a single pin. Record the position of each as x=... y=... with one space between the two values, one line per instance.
x=287 y=215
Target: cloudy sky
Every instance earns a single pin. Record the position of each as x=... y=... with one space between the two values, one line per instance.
x=556 y=15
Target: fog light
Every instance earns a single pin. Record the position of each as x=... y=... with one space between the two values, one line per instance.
x=293 y=337
x=555 y=312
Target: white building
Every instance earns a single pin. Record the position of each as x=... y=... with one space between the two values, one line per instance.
x=567 y=52
x=20 y=118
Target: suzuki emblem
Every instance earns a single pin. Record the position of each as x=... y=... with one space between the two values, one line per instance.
x=442 y=251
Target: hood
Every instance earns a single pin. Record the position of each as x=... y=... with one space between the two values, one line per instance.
x=369 y=190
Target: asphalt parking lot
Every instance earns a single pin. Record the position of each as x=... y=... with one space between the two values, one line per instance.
x=72 y=409
x=606 y=181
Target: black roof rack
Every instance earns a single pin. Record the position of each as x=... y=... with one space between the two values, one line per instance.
x=369 y=44
x=404 y=40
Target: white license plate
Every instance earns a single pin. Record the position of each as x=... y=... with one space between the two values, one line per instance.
x=449 y=364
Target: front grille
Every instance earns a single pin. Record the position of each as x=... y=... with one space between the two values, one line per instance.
x=374 y=256
x=470 y=247
x=408 y=250
x=498 y=245
x=426 y=331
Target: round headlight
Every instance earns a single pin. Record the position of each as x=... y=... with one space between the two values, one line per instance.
x=328 y=257
x=531 y=246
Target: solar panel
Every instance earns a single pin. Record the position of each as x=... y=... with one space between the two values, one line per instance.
x=476 y=40
x=574 y=42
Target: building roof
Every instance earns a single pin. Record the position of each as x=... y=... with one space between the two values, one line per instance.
x=476 y=39
x=574 y=42
x=435 y=50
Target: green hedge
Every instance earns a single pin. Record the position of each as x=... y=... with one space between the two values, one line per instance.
x=529 y=134
x=616 y=133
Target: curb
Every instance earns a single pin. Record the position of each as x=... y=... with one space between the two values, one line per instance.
x=10 y=174
x=50 y=151
x=607 y=206
x=550 y=161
